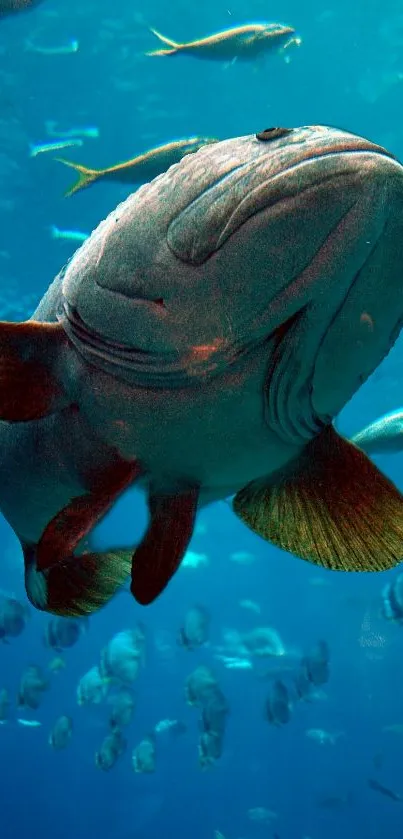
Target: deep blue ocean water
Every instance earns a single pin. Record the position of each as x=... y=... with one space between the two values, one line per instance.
x=348 y=72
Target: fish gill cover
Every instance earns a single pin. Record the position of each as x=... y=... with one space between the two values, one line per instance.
x=258 y=695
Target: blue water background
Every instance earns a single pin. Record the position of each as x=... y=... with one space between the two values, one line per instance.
x=346 y=73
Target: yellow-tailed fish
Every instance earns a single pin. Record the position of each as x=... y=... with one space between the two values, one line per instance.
x=243 y=43
x=139 y=169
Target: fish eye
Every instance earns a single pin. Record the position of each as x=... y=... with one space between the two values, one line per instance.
x=273 y=134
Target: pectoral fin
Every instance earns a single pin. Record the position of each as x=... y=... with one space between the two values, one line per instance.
x=159 y=555
x=335 y=509
x=59 y=582
x=29 y=388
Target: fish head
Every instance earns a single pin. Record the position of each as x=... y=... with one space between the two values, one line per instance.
x=290 y=236
x=274 y=34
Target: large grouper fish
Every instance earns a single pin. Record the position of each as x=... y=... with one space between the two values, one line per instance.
x=199 y=344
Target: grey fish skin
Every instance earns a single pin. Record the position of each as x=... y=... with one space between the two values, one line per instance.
x=225 y=198
x=226 y=335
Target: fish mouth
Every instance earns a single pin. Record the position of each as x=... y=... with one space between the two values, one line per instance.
x=343 y=145
x=147 y=368
x=294 y=162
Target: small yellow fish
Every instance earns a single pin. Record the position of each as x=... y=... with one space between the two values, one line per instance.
x=140 y=169
x=243 y=43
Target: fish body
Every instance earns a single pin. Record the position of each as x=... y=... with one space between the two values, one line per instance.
x=34 y=150
x=319 y=735
x=9 y=7
x=199 y=344
x=138 y=170
x=388 y=793
x=384 y=436
x=61 y=733
x=69 y=235
x=243 y=43
x=144 y=755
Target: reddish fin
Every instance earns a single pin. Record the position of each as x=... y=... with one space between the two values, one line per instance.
x=70 y=525
x=59 y=582
x=77 y=585
x=335 y=508
x=161 y=551
x=29 y=388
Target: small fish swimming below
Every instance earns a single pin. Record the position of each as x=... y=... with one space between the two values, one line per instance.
x=41 y=148
x=388 y=793
x=194 y=560
x=124 y=655
x=112 y=748
x=384 y=436
x=71 y=46
x=4 y=706
x=91 y=131
x=278 y=705
x=9 y=7
x=324 y=738
x=144 y=755
x=13 y=618
x=251 y=605
x=57 y=664
x=195 y=629
x=62 y=633
x=138 y=170
x=69 y=235
x=242 y=43
x=316 y=664
x=122 y=710
x=174 y=727
x=32 y=685
x=92 y=687
x=61 y=733
x=234 y=662
x=392 y=600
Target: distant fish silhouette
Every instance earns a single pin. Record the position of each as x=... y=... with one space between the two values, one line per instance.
x=389 y=793
x=9 y=7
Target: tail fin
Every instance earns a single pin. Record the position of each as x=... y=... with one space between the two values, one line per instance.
x=174 y=47
x=86 y=176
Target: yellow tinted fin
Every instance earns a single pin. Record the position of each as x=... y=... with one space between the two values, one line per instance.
x=78 y=585
x=174 y=47
x=29 y=388
x=86 y=176
x=62 y=583
x=335 y=509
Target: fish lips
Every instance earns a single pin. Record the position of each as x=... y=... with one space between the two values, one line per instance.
x=282 y=169
x=118 y=284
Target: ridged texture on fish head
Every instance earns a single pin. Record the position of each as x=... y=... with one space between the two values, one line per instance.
x=242 y=238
